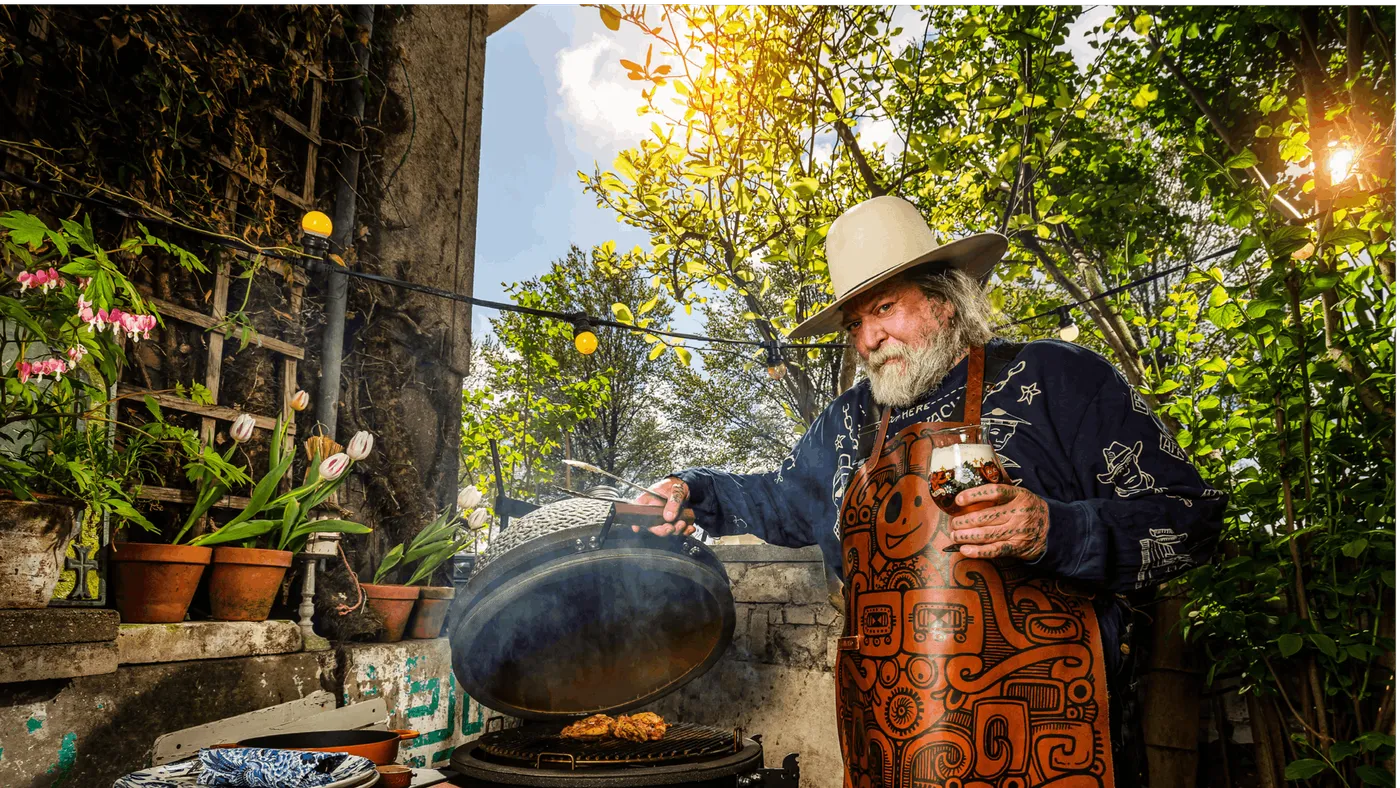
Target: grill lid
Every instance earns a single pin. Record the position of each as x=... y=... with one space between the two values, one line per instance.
x=564 y=616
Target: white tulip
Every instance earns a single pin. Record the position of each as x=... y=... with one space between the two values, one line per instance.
x=333 y=466
x=360 y=446
x=468 y=498
x=477 y=519
x=242 y=428
x=300 y=401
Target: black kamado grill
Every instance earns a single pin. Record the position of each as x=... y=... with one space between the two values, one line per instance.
x=569 y=613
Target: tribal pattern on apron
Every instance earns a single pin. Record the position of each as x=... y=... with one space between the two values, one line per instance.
x=957 y=672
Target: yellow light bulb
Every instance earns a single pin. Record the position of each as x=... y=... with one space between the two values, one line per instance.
x=778 y=373
x=586 y=342
x=316 y=223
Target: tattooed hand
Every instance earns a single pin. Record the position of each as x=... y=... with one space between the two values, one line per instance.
x=674 y=493
x=1013 y=525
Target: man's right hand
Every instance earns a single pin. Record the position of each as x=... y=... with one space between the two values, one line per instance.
x=674 y=493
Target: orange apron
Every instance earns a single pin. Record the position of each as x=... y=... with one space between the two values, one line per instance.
x=957 y=672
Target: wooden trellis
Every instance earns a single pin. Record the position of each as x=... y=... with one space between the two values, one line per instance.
x=214 y=323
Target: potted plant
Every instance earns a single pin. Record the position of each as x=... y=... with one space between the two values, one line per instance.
x=65 y=307
x=153 y=582
x=441 y=539
x=271 y=528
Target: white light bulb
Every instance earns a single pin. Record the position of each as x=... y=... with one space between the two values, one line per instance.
x=1069 y=333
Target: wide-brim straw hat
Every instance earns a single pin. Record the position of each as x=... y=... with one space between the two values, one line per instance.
x=881 y=238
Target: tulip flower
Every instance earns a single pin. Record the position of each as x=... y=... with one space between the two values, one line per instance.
x=300 y=401
x=360 y=446
x=477 y=519
x=468 y=498
x=242 y=428
x=334 y=466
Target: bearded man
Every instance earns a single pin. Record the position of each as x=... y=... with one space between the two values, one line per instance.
x=994 y=647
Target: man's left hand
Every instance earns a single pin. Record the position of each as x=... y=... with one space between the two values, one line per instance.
x=1014 y=525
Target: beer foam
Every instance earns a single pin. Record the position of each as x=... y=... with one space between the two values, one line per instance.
x=951 y=457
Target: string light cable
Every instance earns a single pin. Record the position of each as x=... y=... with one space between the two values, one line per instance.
x=316 y=228
x=1067 y=325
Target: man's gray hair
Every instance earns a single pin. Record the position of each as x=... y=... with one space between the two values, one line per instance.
x=972 y=312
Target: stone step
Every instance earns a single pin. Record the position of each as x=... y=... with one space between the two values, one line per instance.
x=55 y=625
x=190 y=640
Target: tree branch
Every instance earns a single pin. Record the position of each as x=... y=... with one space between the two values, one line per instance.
x=1218 y=124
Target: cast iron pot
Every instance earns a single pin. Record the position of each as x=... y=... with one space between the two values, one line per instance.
x=566 y=615
x=381 y=747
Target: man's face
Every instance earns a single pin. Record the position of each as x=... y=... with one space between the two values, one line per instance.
x=895 y=314
x=904 y=340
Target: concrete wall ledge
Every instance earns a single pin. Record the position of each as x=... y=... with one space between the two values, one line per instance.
x=191 y=640
x=766 y=554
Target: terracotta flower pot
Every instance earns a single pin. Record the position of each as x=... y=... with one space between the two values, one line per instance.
x=431 y=612
x=154 y=583
x=393 y=604
x=243 y=582
x=33 y=538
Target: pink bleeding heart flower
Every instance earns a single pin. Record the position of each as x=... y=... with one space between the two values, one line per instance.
x=76 y=353
x=55 y=279
x=26 y=281
x=84 y=281
x=333 y=466
x=25 y=371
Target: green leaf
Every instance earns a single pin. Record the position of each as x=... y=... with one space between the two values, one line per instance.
x=1355 y=547
x=805 y=187
x=1146 y=94
x=25 y=229
x=1303 y=769
x=623 y=313
x=263 y=491
x=391 y=560
x=330 y=526
x=1241 y=160
x=656 y=351
x=683 y=354
x=1374 y=775
x=1142 y=24
x=248 y=529
x=289 y=518
x=1324 y=644
x=124 y=510
x=1289 y=644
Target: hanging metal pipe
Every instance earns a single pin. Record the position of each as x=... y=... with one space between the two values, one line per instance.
x=337 y=284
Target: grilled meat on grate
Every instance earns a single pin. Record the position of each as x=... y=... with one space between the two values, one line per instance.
x=642 y=727
x=595 y=728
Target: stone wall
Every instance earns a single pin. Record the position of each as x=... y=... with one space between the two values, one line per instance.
x=776 y=679
x=88 y=731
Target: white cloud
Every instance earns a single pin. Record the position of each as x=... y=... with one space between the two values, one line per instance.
x=1084 y=29
x=599 y=101
x=880 y=131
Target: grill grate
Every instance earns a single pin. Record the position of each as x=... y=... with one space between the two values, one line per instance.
x=541 y=746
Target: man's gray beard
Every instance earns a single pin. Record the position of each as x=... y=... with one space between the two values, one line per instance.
x=925 y=366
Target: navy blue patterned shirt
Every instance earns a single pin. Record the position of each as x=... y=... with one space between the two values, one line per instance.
x=1127 y=508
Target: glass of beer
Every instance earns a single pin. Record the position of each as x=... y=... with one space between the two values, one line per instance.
x=962 y=459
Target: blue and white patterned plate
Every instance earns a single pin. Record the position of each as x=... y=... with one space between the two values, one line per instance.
x=353 y=772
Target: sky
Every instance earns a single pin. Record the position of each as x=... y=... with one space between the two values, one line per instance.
x=555 y=102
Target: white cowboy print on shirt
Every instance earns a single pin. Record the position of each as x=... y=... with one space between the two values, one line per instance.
x=1158 y=552
x=1123 y=472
